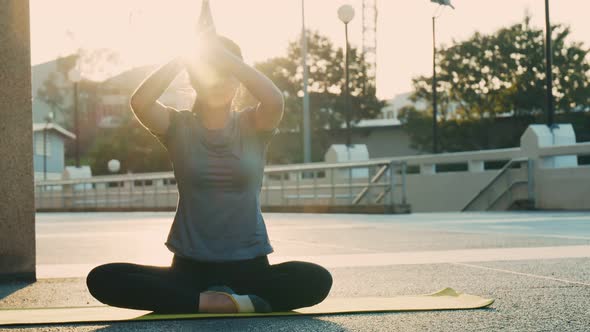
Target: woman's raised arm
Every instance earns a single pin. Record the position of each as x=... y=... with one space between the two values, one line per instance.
x=144 y=101
x=271 y=104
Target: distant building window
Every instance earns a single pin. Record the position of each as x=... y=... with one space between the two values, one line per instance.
x=390 y=115
x=39 y=144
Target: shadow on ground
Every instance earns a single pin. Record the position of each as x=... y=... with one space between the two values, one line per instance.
x=233 y=324
x=7 y=288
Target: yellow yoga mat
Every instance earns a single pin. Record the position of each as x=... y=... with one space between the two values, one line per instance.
x=446 y=299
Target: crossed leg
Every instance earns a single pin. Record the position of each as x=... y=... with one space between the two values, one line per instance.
x=285 y=286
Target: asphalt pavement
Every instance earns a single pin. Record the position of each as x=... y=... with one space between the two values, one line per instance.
x=536 y=265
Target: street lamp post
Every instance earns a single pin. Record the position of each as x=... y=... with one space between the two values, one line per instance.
x=434 y=92
x=549 y=65
x=346 y=14
x=306 y=116
x=434 y=82
x=75 y=76
x=48 y=120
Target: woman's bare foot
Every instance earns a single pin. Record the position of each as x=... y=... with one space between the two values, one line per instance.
x=218 y=303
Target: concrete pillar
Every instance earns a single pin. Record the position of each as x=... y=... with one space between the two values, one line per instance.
x=476 y=166
x=428 y=169
x=17 y=201
x=539 y=136
x=338 y=153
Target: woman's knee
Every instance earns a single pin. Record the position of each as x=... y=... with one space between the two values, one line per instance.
x=321 y=280
x=314 y=278
x=99 y=279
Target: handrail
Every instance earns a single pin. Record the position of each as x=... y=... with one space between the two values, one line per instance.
x=512 y=185
x=502 y=171
x=447 y=158
x=440 y=159
x=457 y=157
x=562 y=150
x=322 y=166
x=109 y=178
x=270 y=169
x=372 y=182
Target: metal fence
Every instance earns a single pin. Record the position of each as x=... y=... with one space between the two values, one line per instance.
x=380 y=183
x=514 y=184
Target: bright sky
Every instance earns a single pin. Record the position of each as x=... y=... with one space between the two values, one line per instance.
x=153 y=31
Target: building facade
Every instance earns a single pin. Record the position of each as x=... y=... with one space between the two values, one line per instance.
x=48 y=150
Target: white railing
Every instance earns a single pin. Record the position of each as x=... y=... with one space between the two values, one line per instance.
x=357 y=184
x=563 y=150
x=513 y=184
x=376 y=182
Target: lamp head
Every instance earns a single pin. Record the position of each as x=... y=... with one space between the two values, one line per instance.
x=114 y=165
x=346 y=13
x=443 y=3
x=49 y=117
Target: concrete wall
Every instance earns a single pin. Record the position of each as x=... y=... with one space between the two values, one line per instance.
x=445 y=192
x=17 y=209
x=555 y=189
x=563 y=188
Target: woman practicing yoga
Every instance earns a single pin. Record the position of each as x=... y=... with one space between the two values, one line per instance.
x=218 y=236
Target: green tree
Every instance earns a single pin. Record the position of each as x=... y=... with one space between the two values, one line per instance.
x=131 y=144
x=501 y=74
x=326 y=91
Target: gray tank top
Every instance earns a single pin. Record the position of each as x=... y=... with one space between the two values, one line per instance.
x=219 y=177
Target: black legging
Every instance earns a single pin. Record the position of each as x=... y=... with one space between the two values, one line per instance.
x=176 y=289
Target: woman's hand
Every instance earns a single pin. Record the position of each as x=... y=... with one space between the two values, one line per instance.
x=209 y=50
x=201 y=60
x=270 y=109
x=211 y=61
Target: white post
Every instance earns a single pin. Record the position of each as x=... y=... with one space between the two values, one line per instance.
x=428 y=169
x=540 y=136
x=475 y=166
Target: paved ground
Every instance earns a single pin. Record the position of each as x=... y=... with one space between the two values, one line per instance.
x=536 y=266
